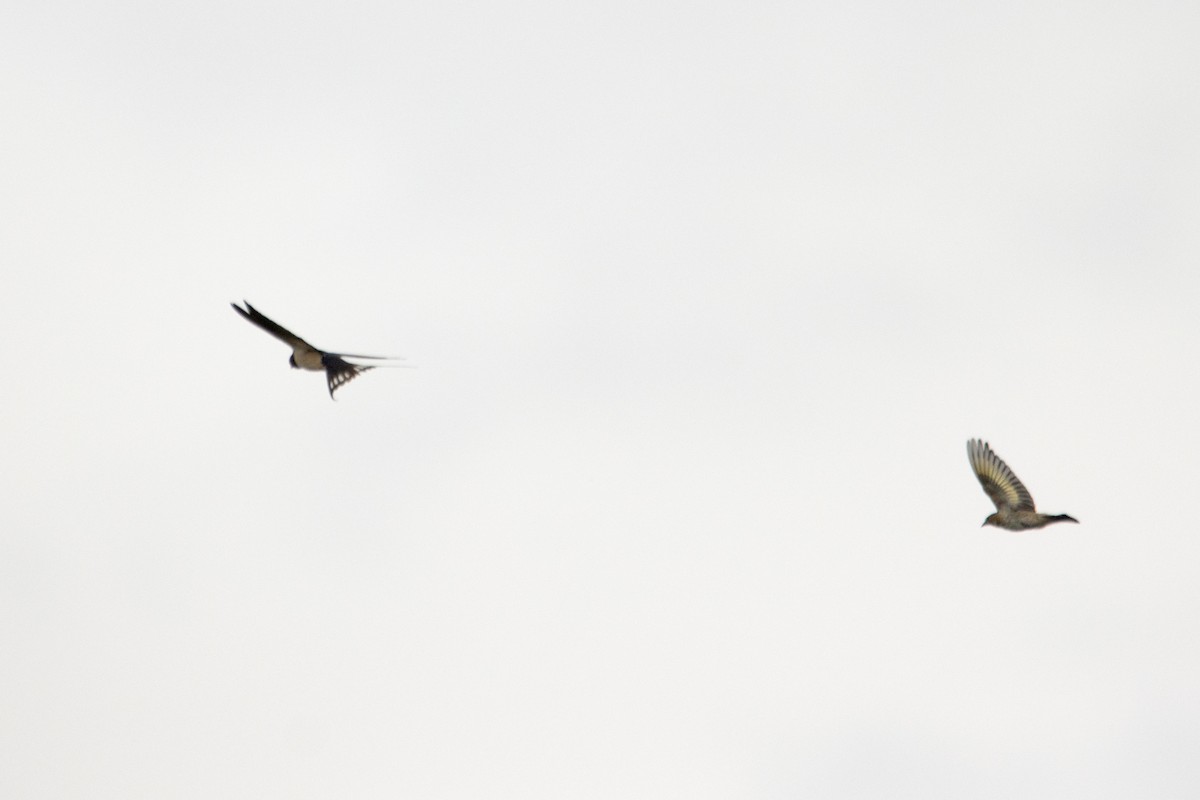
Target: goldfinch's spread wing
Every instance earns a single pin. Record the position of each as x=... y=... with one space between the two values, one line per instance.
x=999 y=482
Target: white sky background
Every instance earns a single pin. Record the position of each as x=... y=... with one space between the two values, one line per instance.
x=705 y=302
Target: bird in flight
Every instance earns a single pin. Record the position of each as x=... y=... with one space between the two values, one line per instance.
x=1014 y=504
x=338 y=370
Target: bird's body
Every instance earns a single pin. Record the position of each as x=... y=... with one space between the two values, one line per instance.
x=337 y=369
x=1014 y=505
x=307 y=358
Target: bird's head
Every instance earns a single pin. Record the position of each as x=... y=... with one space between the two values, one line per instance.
x=292 y=361
x=993 y=519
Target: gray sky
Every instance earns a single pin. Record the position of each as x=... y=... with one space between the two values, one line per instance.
x=705 y=299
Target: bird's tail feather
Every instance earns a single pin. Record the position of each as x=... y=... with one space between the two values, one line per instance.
x=372 y=358
x=377 y=361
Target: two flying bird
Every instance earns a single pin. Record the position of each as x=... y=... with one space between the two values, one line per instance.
x=338 y=371
x=1014 y=505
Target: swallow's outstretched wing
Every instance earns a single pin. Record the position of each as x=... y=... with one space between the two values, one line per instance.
x=274 y=328
x=999 y=482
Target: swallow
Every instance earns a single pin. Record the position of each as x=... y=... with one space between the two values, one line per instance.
x=1014 y=505
x=338 y=370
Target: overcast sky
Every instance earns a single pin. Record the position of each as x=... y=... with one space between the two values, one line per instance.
x=705 y=300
